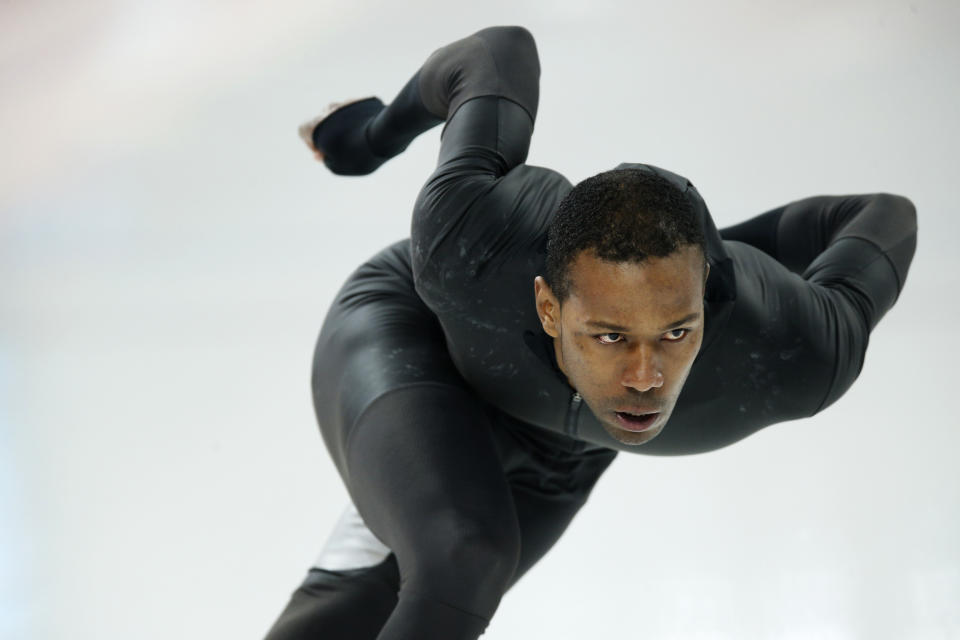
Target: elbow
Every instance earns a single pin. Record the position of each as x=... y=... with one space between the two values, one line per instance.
x=897 y=208
x=516 y=63
x=513 y=52
x=498 y=61
x=895 y=229
x=510 y=41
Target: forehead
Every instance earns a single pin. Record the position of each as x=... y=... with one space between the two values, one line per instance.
x=656 y=291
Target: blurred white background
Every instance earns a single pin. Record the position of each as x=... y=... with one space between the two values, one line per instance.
x=169 y=249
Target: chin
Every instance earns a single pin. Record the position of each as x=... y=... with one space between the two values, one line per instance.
x=632 y=438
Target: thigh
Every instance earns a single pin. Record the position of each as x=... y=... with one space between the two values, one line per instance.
x=544 y=516
x=424 y=473
x=412 y=443
x=422 y=459
x=378 y=336
x=417 y=450
x=353 y=587
x=551 y=476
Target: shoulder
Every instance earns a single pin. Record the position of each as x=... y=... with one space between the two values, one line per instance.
x=505 y=222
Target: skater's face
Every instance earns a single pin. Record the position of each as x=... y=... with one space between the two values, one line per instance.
x=627 y=335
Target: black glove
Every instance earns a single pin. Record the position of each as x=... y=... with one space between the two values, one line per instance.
x=342 y=138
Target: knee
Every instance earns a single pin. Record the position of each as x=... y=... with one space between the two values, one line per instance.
x=483 y=552
x=465 y=563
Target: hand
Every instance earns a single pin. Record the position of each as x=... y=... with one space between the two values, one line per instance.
x=307 y=128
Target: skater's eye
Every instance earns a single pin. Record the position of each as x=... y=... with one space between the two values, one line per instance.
x=675 y=334
x=610 y=338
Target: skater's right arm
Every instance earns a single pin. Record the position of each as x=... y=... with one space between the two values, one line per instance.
x=498 y=65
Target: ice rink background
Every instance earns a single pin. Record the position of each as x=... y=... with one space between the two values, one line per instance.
x=168 y=249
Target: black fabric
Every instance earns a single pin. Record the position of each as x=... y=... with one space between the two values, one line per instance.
x=499 y=61
x=759 y=232
x=342 y=137
x=340 y=604
x=809 y=228
x=450 y=483
x=395 y=127
x=459 y=440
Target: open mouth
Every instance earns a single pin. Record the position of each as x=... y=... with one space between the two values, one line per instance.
x=636 y=422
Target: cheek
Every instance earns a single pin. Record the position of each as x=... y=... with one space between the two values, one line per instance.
x=575 y=355
x=595 y=368
x=573 y=345
x=581 y=358
x=684 y=360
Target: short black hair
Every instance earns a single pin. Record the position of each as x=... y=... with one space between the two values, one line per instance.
x=623 y=215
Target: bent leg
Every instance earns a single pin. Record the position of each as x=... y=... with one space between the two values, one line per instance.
x=417 y=454
x=424 y=473
x=352 y=589
x=550 y=476
x=340 y=605
x=348 y=593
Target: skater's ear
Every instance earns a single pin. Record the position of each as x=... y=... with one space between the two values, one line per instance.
x=548 y=307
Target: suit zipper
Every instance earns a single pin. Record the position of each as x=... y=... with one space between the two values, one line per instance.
x=570 y=427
